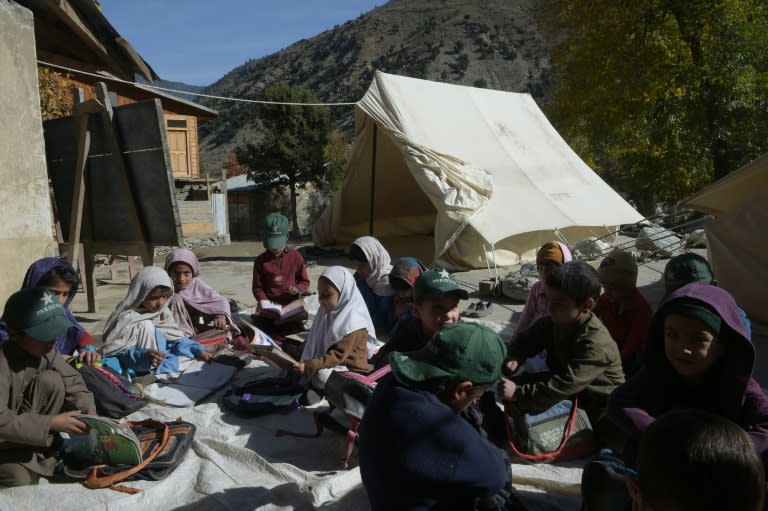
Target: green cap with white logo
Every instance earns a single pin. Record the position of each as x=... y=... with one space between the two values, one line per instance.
x=276 y=231
x=434 y=284
x=36 y=312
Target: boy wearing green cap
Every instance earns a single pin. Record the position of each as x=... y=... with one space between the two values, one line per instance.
x=436 y=296
x=40 y=394
x=416 y=451
x=279 y=274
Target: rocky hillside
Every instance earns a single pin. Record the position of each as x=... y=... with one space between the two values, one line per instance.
x=489 y=43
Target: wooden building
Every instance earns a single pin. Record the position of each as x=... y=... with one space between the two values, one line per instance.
x=74 y=34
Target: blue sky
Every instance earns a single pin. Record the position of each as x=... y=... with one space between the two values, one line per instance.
x=199 y=41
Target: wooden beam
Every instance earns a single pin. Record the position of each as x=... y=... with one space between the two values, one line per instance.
x=69 y=16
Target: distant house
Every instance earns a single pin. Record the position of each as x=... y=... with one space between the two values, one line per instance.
x=248 y=204
x=75 y=34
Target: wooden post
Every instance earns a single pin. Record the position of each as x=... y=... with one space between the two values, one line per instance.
x=83 y=262
x=373 y=181
x=82 y=110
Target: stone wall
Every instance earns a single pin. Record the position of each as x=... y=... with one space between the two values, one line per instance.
x=25 y=232
x=248 y=208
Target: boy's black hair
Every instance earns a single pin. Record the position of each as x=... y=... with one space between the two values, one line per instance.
x=692 y=460
x=356 y=254
x=576 y=279
x=59 y=274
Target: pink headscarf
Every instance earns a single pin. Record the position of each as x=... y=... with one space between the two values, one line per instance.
x=198 y=295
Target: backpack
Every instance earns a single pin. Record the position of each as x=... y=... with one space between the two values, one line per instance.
x=349 y=392
x=115 y=396
x=261 y=397
x=163 y=446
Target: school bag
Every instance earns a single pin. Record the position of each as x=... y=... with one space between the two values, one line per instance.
x=265 y=396
x=562 y=432
x=115 y=396
x=350 y=392
x=161 y=446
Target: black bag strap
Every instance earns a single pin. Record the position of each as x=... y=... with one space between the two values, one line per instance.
x=549 y=455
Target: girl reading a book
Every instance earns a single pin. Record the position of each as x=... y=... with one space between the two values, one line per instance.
x=342 y=336
x=195 y=305
x=141 y=335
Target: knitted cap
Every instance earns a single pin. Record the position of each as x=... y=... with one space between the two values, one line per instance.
x=550 y=252
x=618 y=269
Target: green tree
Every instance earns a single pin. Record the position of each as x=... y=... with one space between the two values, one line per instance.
x=337 y=153
x=290 y=151
x=660 y=96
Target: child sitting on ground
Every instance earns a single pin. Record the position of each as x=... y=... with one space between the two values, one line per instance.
x=697 y=356
x=372 y=267
x=416 y=451
x=622 y=309
x=404 y=273
x=279 y=274
x=688 y=268
x=582 y=357
x=195 y=303
x=342 y=336
x=40 y=393
x=551 y=255
x=59 y=277
x=141 y=335
x=690 y=460
x=436 y=296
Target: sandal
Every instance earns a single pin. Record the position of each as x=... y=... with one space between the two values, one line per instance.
x=482 y=309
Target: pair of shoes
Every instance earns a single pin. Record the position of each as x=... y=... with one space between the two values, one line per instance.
x=482 y=309
x=477 y=310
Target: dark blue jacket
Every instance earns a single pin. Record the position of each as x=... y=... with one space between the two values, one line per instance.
x=381 y=308
x=418 y=454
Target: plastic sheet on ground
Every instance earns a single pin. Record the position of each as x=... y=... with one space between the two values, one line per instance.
x=240 y=464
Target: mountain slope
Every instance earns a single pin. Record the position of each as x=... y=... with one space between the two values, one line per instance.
x=493 y=44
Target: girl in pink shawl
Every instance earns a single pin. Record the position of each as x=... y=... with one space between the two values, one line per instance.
x=195 y=304
x=550 y=255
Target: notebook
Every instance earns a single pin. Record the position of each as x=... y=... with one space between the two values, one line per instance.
x=107 y=442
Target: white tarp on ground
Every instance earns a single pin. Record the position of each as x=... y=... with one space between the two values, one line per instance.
x=469 y=166
x=736 y=240
x=239 y=464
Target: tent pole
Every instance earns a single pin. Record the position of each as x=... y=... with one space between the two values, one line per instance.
x=373 y=179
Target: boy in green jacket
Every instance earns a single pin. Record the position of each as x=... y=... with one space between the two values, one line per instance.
x=40 y=393
x=582 y=357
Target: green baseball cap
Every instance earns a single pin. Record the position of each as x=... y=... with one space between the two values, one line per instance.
x=275 y=231
x=36 y=312
x=465 y=351
x=436 y=283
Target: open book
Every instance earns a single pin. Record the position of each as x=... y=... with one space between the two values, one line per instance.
x=107 y=442
x=263 y=345
x=274 y=310
x=197 y=381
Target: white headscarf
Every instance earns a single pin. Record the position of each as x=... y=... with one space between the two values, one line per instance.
x=379 y=261
x=129 y=312
x=350 y=315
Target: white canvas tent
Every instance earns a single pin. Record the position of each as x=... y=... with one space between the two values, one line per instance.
x=469 y=169
x=736 y=240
